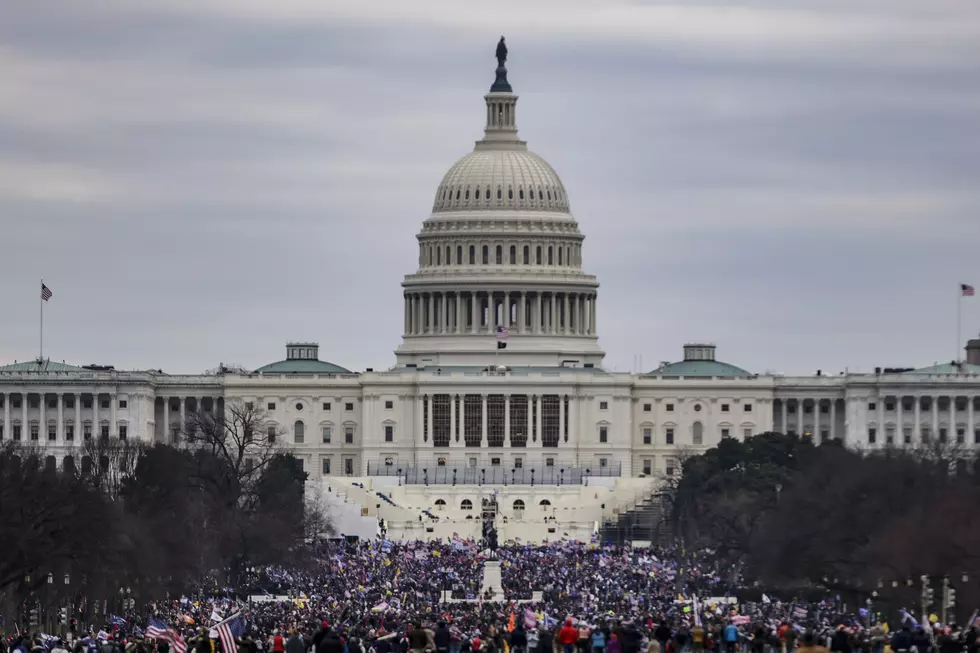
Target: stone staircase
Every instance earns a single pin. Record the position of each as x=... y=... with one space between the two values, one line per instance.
x=641 y=522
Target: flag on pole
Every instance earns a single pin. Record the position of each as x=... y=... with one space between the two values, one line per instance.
x=228 y=630
x=157 y=629
x=965 y=288
x=46 y=292
x=503 y=333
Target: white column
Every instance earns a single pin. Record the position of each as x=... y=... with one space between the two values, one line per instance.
x=427 y=424
x=42 y=423
x=462 y=419
x=816 y=421
x=166 y=420
x=566 y=326
x=419 y=420
x=430 y=301
x=538 y=420
x=183 y=415
x=595 y=315
x=935 y=418
x=407 y=315
x=507 y=419
x=459 y=313
x=448 y=314
x=799 y=417
x=8 y=430
x=952 y=419
x=24 y=428
x=783 y=426
x=900 y=422
x=552 y=319
x=473 y=312
x=113 y=429
x=573 y=423
x=61 y=418
x=506 y=311
x=452 y=420
x=833 y=418
x=483 y=419
x=521 y=298
x=971 y=438
x=880 y=404
x=537 y=313
x=917 y=416
x=78 y=417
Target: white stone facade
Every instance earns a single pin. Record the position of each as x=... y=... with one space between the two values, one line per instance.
x=500 y=251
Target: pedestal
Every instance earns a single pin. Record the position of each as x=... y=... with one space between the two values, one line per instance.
x=492 y=580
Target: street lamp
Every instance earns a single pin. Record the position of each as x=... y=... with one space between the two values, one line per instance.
x=50 y=579
x=587 y=473
x=67 y=579
x=532 y=477
x=483 y=473
x=561 y=476
x=399 y=476
x=454 y=477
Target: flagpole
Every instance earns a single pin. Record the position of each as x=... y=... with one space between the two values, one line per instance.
x=959 y=319
x=41 y=333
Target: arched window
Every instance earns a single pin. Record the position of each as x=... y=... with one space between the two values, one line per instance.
x=500 y=193
x=519 y=504
x=537 y=255
x=439 y=256
x=544 y=503
x=513 y=255
x=86 y=464
x=559 y=255
x=429 y=261
x=697 y=433
x=549 y=195
x=510 y=193
x=531 y=191
x=459 y=254
x=467 y=196
x=527 y=255
x=440 y=504
x=488 y=192
x=466 y=504
x=520 y=193
x=457 y=194
x=449 y=252
x=500 y=255
x=486 y=255
x=68 y=464
x=551 y=255
x=299 y=432
x=472 y=255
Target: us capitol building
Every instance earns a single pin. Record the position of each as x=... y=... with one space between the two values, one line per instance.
x=499 y=371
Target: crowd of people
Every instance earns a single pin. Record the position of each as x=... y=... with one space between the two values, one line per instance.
x=386 y=597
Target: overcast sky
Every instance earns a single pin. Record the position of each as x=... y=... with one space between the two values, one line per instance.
x=200 y=181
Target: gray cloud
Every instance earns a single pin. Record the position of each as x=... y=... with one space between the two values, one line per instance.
x=202 y=181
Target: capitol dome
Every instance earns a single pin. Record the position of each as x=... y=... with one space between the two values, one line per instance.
x=500 y=179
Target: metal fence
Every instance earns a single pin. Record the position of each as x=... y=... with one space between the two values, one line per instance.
x=447 y=474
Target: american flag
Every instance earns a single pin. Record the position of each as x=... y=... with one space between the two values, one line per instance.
x=45 y=292
x=967 y=290
x=502 y=333
x=159 y=630
x=228 y=630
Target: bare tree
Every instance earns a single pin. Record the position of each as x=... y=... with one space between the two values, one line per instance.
x=107 y=462
x=318 y=522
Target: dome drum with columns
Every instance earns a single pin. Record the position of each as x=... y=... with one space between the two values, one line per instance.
x=501 y=250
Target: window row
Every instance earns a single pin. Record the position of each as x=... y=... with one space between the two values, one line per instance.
x=671 y=434
x=326 y=466
x=725 y=407
x=17 y=434
x=326 y=405
x=69 y=402
x=959 y=435
x=533 y=197
x=560 y=255
x=327 y=432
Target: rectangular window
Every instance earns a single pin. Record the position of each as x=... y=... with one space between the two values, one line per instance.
x=889 y=405
x=104 y=431
x=791 y=409
x=603 y=405
x=349 y=435
x=248 y=405
x=271 y=405
x=104 y=404
x=472 y=462
x=924 y=434
x=122 y=431
x=299 y=433
x=603 y=434
x=549 y=462
x=647 y=408
x=872 y=435
x=748 y=408
x=746 y=433
x=326 y=405
x=349 y=406
x=52 y=432
x=960 y=436
x=669 y=469
x=724 y=408
x=34 y=432
x=349 y=466
x=17 y=403
x=669 y=436
x=69 y=403
x=647 y=466
x=389 y=433
x=647 y=436
x=495 y=462
x=325 y=465
x=326 y=435
x=52 y=403
x=942 y=435
x=123 y=403
x=33 y=403
x=872 y=406
x=87 y=431
x=389 y=405
x=271 y=434
x=726 y=433
x=907 y=435
x=17 y=432
x=603 y=462
x=518 y=463
x=441 y=462
x=1 y=431
x=670 y=408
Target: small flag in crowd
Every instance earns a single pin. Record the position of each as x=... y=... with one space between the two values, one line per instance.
x=116 y=621
x=967 y=290
x=228 y=630
x=159 y=630
x=503 y=333
x=46 y=292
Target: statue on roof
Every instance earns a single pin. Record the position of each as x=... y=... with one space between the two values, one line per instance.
x=501 y=52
